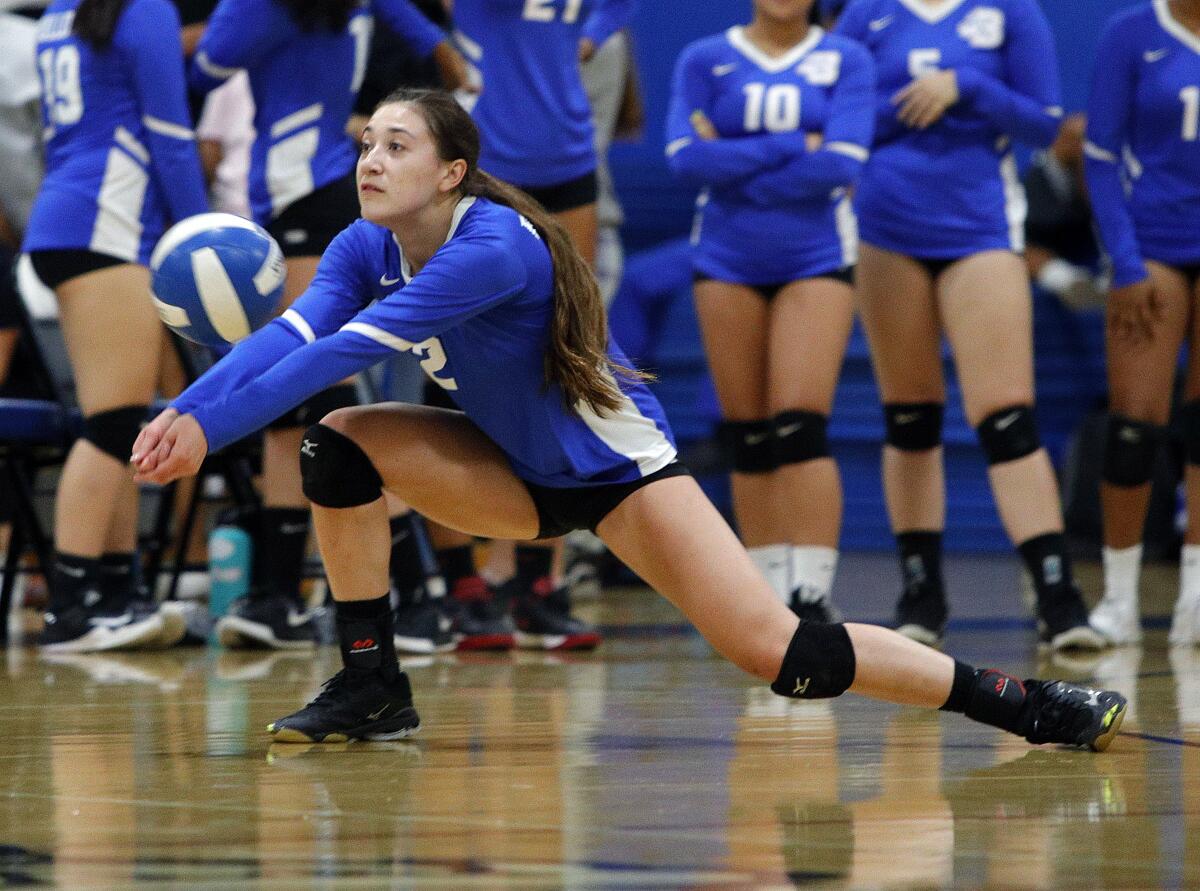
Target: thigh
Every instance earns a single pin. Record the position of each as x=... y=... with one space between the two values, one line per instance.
x=1141 y=376
x=734 y=323
x=113 y=336
x=443 y=466
x=987 y=310
x=900 y=316
x=580 y=223
x=810 y=325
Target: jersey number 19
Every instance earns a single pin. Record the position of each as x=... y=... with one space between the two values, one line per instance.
x=60 y=84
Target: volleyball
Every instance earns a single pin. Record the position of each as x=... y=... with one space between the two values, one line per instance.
x=215 y=277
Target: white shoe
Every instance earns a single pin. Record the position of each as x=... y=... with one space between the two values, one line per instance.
x=1118 y=619
x=1185 y=623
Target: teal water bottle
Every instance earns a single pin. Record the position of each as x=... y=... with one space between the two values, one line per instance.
x=228 y=567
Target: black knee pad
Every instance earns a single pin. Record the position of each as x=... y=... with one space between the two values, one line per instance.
x=335 y=471
x=799 y=436
x=1008 y=434
x=747 y=445
x=819 y=663
x=1189 y=414
x=914 y=426
x=1129 y=450
x=114 y=431
x=316 y=407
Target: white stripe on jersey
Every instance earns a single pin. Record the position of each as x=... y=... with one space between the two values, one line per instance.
x=1015 y=205
x=1096 y=153
x=212 y=69
x=166 y=128
x=469 y=47
x=847 y=229
x=399 y=344
x=773 y=64
x=676 y=145
x=630 y=433
x=849 y=149
x=118 y=227
x=130 y=143
x=932 y=15
x=297 y=119
x=301 y=325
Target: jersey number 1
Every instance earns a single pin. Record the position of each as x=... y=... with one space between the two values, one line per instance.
x=60 y=82
x=1190 y=97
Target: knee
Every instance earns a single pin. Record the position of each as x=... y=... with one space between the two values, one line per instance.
x=913 y=426
x=748 y=445
x=1129 y=450
x=1008 y=434
x=799 y=436
x=335 y=471
x=819 y=663
x=114 y=431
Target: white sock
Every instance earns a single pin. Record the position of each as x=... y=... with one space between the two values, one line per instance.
x=813 y=567
x=1122 y=568
x=1189 y=571
x=772 y=562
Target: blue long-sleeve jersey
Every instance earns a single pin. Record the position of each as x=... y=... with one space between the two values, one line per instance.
x=952 y=189
x=121 y=159
x=1142 y=155
x=770 y=210
x=478 y=316
x=535 y=123
x=304 y=84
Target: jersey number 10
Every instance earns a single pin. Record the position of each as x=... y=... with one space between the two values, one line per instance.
x=775 y=108
x=60 y=84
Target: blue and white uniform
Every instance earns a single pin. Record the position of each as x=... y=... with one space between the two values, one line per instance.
x=121 y=158
x=535 y=123
x=478 y=316
x=304 y=84
x=1142 y=155
x=770 y=211
x=952 y=189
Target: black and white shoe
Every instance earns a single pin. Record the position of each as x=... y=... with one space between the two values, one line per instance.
x=352 y=705
x=422 y=628
x=1063 y=624
x=94 y=626
x=544 y=621
x=273 y=621
x=1058 y=712
x=921 y=616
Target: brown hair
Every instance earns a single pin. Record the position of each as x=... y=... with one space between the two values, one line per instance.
x=577 y=357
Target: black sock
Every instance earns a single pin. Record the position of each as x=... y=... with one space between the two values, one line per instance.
x=120 y=574
x=279 y=551
x=364 y=629
x=921 y=562
x=1046 y=559
x=457 y=563
x=988 y=696
x=414 y=568
x=76 y=580
x=533 y=562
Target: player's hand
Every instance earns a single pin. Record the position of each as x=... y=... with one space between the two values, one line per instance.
x=587 y=48
x=702 y=126
x=170 y=447
x=1134 y=312
x=923 y=102
x=813 y=141
x=453 y=68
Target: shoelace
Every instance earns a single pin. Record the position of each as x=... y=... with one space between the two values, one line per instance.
x=1055 y=712
x=330 y=688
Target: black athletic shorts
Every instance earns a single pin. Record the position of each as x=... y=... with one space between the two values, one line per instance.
x=560 y=197
x=583 y=507
x=57 y=266
x=770 y=292
x=306 y=227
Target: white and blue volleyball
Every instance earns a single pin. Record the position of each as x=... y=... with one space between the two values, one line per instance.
x=216 y=277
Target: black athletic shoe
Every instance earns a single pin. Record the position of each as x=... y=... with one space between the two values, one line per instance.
x=421 y=627
x=544 y=620
x=921 y=616
x=352 y=705
x=479 y=620
x=95 y=625
x=273 y=621
x=1063 y=624
x=1058 y=712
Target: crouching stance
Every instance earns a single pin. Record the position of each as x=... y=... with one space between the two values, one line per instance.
x=555 y=433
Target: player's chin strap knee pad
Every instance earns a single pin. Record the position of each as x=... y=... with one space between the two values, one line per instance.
x=335 y=471
x=914 y=426
x=1008 y=434
x=316 y=407
x=747 y=445
x=1189 y=413
x=114 y=431
x=1129 y=450
x=799 y=436
x=819 y=663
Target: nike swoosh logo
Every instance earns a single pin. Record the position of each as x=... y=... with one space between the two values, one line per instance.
x=722 y=70
x=756 y=438
x=293 y=528
x=1093 y=697
x=111 y=621
x=73 y=572
x=789 y=429
x=295 y=619
x=880 y=24
x=374 y=716
x=387 y=282
x=1154 y=55
x=907 y=417
x=1007 y=421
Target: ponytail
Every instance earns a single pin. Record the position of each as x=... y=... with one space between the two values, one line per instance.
x=96 y=20
x=331 y=14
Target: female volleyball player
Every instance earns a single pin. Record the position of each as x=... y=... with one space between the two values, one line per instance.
x=555 y=435
x=773 y=121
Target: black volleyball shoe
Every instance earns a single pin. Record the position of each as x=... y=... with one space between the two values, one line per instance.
x=352 y=705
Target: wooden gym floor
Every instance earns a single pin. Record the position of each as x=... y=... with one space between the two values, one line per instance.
x=649 y=764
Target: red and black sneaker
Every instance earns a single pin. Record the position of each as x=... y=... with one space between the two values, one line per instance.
x=544 y=620
x=478 y=618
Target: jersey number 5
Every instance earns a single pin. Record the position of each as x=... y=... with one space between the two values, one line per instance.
x=60 y=84
x=543 y=11
x=923 y=61
x=775 y=108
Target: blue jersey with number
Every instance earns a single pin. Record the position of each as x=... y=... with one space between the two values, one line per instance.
x=304 y=84
x=535 y=123
x=121 y=159
x=952 y=189
x=478 y=316
x=771 y=211
x=1142 y=155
